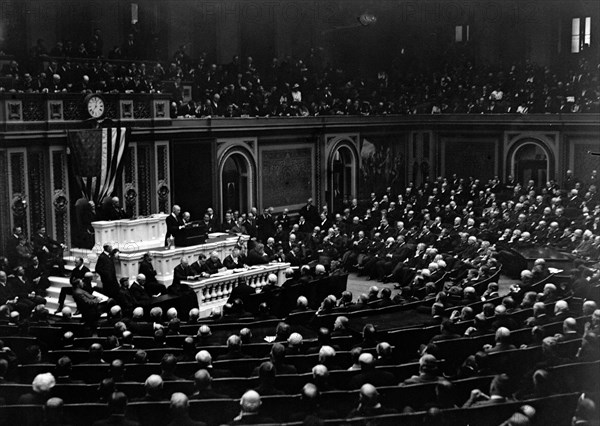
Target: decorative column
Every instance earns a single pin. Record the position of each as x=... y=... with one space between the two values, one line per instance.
x=18 y=189
x=163 y=177
x=59 y=184
x=130 y=180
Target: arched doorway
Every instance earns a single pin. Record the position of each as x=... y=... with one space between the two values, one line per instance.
x=530 y=161
x=235 y=181
x=342 y=186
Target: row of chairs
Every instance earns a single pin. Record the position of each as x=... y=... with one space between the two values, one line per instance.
x=291 y=384
x=555 y=410
x=328 y=319
x=94 y=373
x=572 y=377
x=516 y=362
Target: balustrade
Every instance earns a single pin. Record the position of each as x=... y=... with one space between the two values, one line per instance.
x=214 y=292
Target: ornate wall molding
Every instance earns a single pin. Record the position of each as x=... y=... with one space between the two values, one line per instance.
x=548 y=141
x=130 y=180
x=18 y=178
x=59 y=183
x=163 y=176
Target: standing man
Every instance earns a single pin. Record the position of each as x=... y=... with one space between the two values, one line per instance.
x=105 y=268
x=174 y=224
x=48 y=251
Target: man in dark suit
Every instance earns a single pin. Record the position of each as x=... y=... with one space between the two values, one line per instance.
x=250 y=413
x=48 y=250
x=174 y=224
x=309 y=211
x=234 y=346
x=213 y=263
x=266 y=225
x=235 y=259
x=113 y=210
x=37 y=274
x=182 y=272
x=203 y=387
x=117 y=405
x=12 y=243
x=257 y=255
x=207 y=225
x=105 y=268
x=180 y=411
x=241 y=291
x=19 y=286
x=199 y=266
x=284 y=220
x=369 y=374
x=78 y=273
x=147 y=269
x=138 y=291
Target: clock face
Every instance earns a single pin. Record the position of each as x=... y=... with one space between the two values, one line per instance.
x=95 y=106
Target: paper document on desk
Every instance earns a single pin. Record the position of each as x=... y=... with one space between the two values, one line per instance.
x=103 y=298
x=555 y=270
x=222 y=273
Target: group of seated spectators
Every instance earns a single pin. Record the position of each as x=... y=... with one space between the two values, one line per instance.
x=310 y=86
x=443 y=245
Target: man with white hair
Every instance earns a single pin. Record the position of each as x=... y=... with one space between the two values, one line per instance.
x=154 y=389
x=502 y=340
x=370 y=374
x=174 y=224
x=320 y=271
x=539 y=270
x=549 y=294
x=294 y=344
x=561 y=311
x=41 y=387
x=584 y=248
x=180 y=411
x=250 y=410
x=138 y=291
x=289 y=278
x=213 y=263
x=204 y=362
x=369 y=404
x=569 y=330
x=271 y=288
x=301 y=305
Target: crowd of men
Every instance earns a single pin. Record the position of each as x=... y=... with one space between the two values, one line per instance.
x=309 y=86
x=435 y=242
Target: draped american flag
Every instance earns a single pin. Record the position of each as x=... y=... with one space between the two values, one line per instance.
x=96 y=159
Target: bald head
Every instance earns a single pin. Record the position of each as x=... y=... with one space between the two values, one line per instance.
x=153 y=384
x=234 y=342
x=179 y=403
x=250 y=402
x=502 y=335
x=204 y=359
x=570 y=325
x=366 y=360
x=369 y=396
x=310 y=392
x=202 y=379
